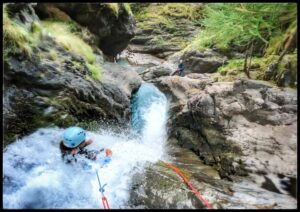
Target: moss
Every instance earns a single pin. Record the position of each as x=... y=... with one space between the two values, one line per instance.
x=95 y=71
x=234 y=64
x=150 y=20
x=277 y=42
x=15 y=36
x=158 y=40
x=288 y=64
x=172 y=10
x=128 y=9
x=169 y=22
x=62 y=34
x=53 y=54
x=234 y=69
x=9 y=138
x=197 y=43
x=114 y=7
x=180 y=10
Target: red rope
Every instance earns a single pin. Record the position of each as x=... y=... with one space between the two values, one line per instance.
x=189 y=184
x=105 y=203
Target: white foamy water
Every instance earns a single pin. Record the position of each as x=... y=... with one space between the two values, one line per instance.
x=36 y=177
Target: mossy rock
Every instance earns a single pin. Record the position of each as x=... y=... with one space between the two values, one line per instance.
x=287 y=71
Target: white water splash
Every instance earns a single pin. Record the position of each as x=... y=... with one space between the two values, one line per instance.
x=36 y=177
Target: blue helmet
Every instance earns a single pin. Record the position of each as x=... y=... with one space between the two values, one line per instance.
x=73 y=136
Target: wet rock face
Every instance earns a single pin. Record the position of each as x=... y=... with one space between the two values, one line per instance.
x=161 y=188
x=242 y=127
x=155 y=194
x=114 y=33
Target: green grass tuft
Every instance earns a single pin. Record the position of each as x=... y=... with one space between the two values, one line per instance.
x=53 y=54
x=95 y=71
x=16 y=37
x=61 y=33
x=180 y=10
x=241 y=24
x=128 y=9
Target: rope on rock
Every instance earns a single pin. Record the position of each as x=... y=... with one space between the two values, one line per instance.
x=189 y=184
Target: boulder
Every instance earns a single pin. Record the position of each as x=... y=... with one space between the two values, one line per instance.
x=160 y=187
x=156 y=71
x=140 y=59
x=203 y=62
x=244 y=127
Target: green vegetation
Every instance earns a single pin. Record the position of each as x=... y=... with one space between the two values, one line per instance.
x=169 y=21
x=151 y=19
x=289 y=63
x=233 y=65
x=16 y=37
x=61 y=33
x=53 y=54
x=234 y=68
x=237 y=64
x=266 y=30
x=181 y=10
x=128 y=9
x=95 y=71
x=240 y=24
x=165 y=13
x=114 y=7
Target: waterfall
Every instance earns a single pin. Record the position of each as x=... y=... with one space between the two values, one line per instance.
x=36 y=177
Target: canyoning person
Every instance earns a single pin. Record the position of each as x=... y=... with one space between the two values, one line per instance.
x=74 y=143
x=180 y=69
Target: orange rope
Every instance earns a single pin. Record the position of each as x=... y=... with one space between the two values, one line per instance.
x=189 y=184
x=105 y=203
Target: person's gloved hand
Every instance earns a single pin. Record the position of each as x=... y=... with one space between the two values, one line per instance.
x=108 y=152
x=106 y=160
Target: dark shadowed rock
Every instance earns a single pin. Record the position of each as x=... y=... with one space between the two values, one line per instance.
x=113 y=32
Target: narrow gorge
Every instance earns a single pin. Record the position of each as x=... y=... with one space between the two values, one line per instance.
x=229 y=123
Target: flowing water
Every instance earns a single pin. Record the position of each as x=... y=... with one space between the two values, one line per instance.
x=36 y=177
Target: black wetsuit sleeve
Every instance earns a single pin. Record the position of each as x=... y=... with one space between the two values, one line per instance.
x=89 y=154
x=68 y=158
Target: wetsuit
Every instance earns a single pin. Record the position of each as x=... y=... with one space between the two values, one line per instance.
x=69 y=158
